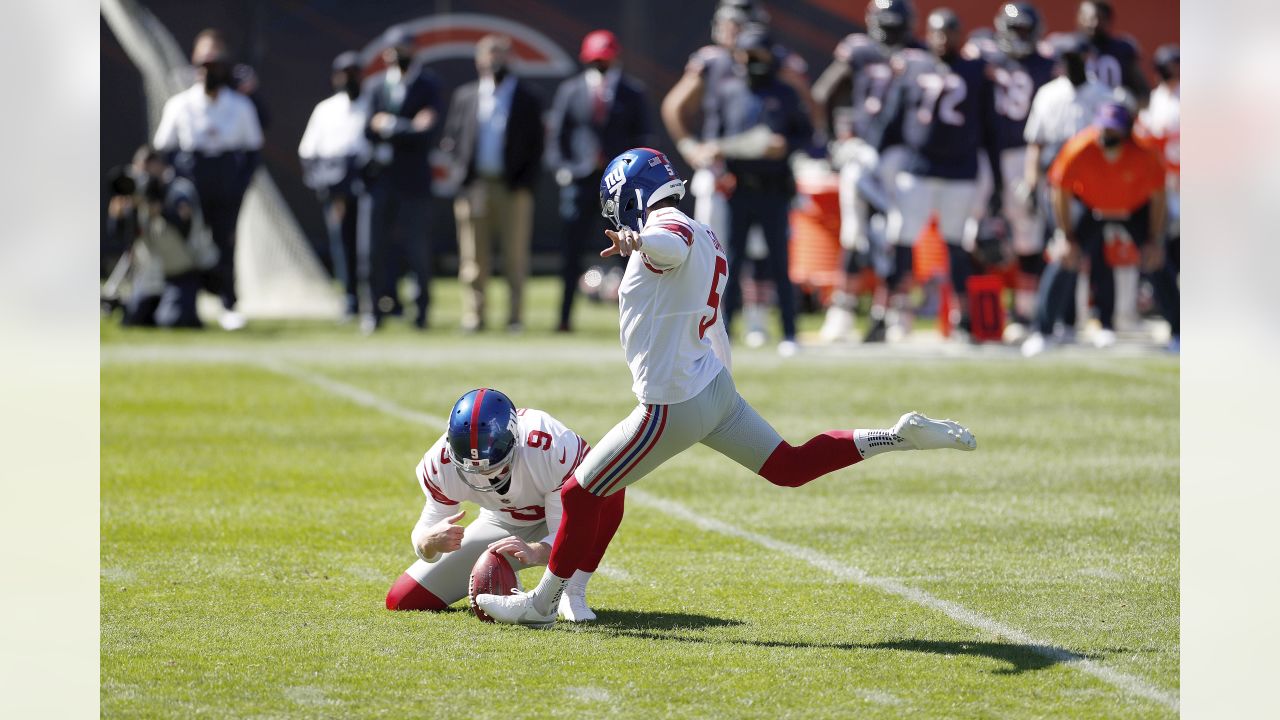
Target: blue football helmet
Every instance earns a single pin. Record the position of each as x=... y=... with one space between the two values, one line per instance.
x=482 y=436
x=633 y=182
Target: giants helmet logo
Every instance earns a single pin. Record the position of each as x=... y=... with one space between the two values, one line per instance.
x=615 y=179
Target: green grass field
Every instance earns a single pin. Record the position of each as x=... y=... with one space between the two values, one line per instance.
x=258 y=492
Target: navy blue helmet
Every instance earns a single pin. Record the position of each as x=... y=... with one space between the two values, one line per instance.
x=633 y=182
x=482 y=436
x=889 y=21
x=1017 y=28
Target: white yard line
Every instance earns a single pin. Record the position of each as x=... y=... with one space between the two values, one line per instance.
x=1129 y=683
x=354 y=394
x=959 y=613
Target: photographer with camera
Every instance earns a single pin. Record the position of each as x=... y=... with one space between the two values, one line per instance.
x=156 y=216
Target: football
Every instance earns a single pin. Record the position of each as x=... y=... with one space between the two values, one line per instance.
x=494 y=575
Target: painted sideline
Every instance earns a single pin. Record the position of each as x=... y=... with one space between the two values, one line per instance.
x=1129 y=683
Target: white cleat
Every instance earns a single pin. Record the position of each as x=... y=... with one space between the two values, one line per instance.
x=928 y=434
x=1104 y=338
x=837 y=325
x=788 y=348
x=514 y=609
x=1034 y=345
x=231 y=321
x=573 y=605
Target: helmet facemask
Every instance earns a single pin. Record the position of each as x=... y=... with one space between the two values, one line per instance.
x=492 y=478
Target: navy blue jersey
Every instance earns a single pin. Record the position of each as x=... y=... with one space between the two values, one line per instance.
x=1015 y=82
x=943 y=108
x=1114 y=61
x=1115 y=64
x=738 y=108
x=714 y=64
x=869 y=75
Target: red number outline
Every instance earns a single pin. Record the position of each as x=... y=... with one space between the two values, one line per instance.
x=713 y=298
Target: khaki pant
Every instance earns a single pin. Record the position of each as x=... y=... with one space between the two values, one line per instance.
x=485 y=208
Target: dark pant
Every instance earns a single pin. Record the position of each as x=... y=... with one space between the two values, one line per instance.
x=385 y=208
x=175 y=306
x=1057 y=285
x=219 y=181
x=341 y=216
x=583 y=226
x=769 y=209
x=961 y=265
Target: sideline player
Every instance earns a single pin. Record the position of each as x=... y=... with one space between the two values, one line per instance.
x=689 y=103
x=851 y=93
x=941 y=103
x=1019 y=69
x=511 y=463
x=1114 y=60
x=678 y=352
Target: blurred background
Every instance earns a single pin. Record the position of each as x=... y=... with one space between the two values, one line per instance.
x=288 y=262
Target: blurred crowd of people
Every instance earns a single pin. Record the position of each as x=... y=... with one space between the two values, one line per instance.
x=1041 y=158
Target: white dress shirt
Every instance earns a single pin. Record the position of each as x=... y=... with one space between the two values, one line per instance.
x=336 y=129
x=194 y=122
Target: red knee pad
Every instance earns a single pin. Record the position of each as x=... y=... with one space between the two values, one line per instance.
x=407 y=594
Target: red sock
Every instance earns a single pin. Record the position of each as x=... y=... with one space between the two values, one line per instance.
x=610 y=519
x=579 y=525
x=791 y=466
x=407 y=594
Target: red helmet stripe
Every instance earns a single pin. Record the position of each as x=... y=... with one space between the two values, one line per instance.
x=475 y=419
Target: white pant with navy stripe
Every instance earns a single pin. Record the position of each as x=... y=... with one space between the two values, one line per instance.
x=717 y=417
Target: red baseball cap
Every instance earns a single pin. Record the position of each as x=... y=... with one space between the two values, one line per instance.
x=599 y=45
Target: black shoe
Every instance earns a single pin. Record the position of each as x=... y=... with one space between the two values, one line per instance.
x=876 y=334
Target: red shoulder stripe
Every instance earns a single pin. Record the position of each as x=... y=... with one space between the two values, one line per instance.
x=680 y=229
x=645 y=259
x=436 y=493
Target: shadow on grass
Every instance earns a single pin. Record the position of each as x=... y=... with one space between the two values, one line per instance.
x=642 y=624
x=1020 y=657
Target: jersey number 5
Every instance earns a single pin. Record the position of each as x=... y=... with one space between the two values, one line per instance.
x=713 y=298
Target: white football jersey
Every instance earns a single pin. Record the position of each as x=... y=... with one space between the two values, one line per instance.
x=546 y=455
x=669 y=303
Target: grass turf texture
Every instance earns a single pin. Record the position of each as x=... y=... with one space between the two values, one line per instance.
x=252 y=523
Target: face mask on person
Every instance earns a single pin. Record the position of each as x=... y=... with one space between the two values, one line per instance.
x=216 y=75
x=1111 y=142
x=760 y=71
x=403 y=60
x=1075 y=69
x=599 y=66
x=500 y=73
x=352 y=86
